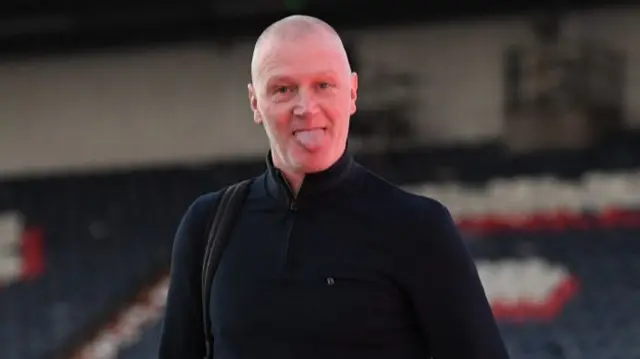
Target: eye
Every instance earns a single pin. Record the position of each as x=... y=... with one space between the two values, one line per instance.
x=281 y=90
x=324 y=85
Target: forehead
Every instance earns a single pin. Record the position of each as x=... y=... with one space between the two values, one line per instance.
x=301 y=58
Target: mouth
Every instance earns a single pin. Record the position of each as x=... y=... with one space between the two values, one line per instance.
x=308 y=130
x=310 y=138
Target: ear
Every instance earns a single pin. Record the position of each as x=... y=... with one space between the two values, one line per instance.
x=354 y=92
x=253 y=102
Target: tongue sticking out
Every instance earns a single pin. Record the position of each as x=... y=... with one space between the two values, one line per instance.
x=310 y=139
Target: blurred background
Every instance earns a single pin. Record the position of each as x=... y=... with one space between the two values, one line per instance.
x=523 y=118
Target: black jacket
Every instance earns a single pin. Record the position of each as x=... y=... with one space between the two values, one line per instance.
x=353 y=267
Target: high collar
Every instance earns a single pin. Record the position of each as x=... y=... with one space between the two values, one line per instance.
x=313 y=185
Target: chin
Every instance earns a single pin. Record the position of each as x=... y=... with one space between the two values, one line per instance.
x=311 y=162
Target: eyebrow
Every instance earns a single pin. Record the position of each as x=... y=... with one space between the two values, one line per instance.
x=276 y=79
x=286 y=78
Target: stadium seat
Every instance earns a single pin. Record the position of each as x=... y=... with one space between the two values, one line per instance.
x=558 y=256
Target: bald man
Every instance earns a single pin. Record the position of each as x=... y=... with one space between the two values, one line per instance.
x=326 y=259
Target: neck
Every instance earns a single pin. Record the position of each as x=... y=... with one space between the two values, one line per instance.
x=293 y=180
x=285 y=183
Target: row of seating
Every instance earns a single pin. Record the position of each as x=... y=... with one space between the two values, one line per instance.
x=91 y=222
x=525 y=195
x=129 y=325
x=590 y=284
x=103 y=239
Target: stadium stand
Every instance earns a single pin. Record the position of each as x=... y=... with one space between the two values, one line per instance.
x=557 y=253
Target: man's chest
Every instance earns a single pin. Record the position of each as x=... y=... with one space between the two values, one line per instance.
x=298 y=274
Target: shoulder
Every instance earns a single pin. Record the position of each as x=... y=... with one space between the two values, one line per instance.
x=191 y=230
x=190 y=238
x=201 y=206
x=201 y=210
x=199 y=213
x=419 y=217
x=424 y=214
x=410 y=205
x=205 y=203
x=430 y=230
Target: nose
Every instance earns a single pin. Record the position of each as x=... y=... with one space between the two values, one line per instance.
x=306 y=104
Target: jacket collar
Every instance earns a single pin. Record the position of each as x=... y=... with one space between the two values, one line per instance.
x=314 y=184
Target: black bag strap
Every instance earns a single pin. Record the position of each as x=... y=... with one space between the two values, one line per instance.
x=227 y=208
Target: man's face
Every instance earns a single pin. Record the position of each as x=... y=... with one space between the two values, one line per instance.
x=304 y=94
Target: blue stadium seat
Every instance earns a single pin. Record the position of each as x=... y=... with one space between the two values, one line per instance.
x=102 y=244
x=601 y=321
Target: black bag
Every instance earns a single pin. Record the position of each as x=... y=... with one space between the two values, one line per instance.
x=226 y=211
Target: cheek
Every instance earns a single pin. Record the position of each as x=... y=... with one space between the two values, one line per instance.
x=338 y=110
x=277 y=118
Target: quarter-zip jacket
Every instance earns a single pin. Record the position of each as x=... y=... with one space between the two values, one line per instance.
x=351 y=267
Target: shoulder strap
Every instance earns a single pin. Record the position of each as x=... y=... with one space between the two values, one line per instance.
x=228 y=206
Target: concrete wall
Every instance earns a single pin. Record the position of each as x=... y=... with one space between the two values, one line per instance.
x=189 y=103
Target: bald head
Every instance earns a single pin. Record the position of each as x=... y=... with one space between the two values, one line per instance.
x=296 y=26
x=294 y=29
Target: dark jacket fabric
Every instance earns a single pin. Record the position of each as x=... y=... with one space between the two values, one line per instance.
x=351 y=267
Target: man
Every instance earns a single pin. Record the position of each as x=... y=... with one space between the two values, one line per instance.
x=326 y=259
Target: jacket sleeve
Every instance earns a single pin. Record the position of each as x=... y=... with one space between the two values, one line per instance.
x=182 y=335
x=447 y=294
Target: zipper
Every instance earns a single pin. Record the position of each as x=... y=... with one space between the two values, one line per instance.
x=291 y=194
x=292 y=209
x=287 y=239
